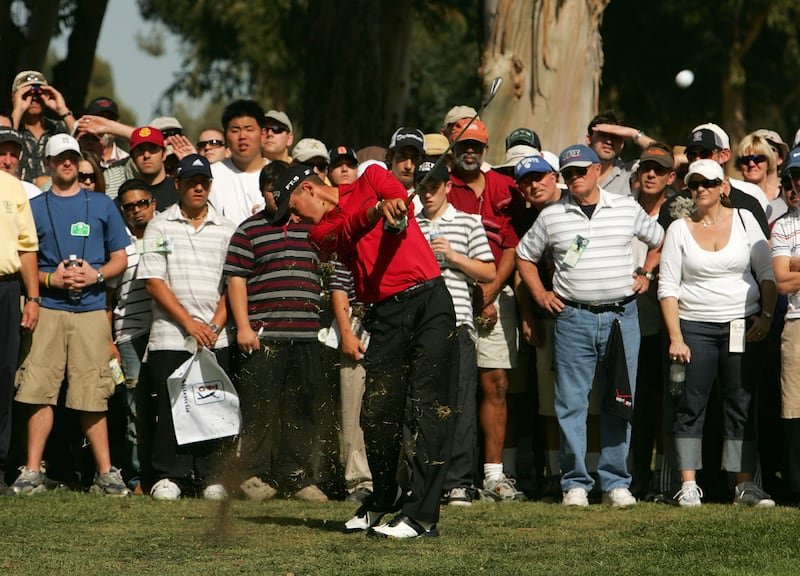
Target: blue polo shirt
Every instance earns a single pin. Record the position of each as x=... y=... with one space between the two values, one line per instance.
x=60 y=224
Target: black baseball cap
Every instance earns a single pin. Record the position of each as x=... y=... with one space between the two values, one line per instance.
x=285 y=184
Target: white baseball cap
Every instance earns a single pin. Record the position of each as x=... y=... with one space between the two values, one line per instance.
x=60 y=143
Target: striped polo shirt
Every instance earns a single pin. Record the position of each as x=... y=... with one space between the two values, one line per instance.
x=604 y=272
x=190 y=265
x=282 y=272
x=132 y=304
x=466 y=236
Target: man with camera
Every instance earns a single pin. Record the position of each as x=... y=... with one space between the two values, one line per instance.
x=32 y=96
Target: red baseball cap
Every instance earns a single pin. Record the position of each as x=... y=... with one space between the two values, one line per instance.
x=476 y=131
x=147 y=134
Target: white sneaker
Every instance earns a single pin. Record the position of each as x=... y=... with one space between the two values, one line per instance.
x=576 y=497
x=363 y=520
x=215 y=492
x=165 y=489
x=689 y=497
x=619 y=498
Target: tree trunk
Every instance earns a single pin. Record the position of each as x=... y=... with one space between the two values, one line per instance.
x=72 y=74
x=549 y=53
x=357 y=71
x=21 y=50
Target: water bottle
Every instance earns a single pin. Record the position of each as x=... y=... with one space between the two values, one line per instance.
x=436 y=233
x=677 y=376
x=74 y=295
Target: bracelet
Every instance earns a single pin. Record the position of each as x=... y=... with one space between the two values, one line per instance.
x=47 y=280
x=68 y=113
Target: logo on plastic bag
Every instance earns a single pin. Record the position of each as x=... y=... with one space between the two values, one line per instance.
x=208 y=392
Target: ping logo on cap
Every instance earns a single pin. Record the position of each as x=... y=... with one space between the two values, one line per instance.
x=426 y=166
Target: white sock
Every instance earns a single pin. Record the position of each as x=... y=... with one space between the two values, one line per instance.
x=689 y=484
x=492 y=472
x=510 y=462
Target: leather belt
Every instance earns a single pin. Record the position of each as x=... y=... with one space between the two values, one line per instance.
x=9 y=278
x=600 y=308
x=415 y=290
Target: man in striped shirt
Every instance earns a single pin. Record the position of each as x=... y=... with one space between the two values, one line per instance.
x=130 y=311
x=274 y=295
x=594 y=284
x=462 y=250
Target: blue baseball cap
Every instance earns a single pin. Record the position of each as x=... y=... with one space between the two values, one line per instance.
x=577 y=155
x=792 y=159
x=531 y=164
x=193 y=165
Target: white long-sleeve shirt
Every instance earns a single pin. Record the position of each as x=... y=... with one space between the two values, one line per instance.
x=715 y=286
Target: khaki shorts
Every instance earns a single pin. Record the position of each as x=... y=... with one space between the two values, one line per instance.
x=75 y=342
x=546 y=375
x=790 y=369
x=497 y=348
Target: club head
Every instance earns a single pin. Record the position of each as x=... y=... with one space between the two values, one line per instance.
x=496 y=83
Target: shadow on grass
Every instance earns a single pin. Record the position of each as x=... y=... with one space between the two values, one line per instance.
x=316 y=523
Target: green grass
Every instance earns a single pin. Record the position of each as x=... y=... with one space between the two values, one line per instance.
x=69 y=533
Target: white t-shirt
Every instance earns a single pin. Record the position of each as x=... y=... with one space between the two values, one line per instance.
x=715 y=286
x=235 y=194
x=32 y=190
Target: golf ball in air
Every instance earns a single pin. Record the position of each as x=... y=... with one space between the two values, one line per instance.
x=684 y=78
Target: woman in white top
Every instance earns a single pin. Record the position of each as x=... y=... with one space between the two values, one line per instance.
x=716 y=313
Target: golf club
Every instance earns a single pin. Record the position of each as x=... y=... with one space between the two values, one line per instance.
x=492 y=91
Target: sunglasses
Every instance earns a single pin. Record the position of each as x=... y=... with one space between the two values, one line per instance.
x=576 y=172
x=702 y=153
x=83 y=176
x=276 y=129
x=707 y=184
x=131 y=206
x=213 y=143
x=754 y=158
x=660 y=170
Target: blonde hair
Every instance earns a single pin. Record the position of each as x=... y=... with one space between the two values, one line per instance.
x=752 y=144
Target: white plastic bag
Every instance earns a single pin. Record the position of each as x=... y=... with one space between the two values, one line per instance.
x=205 y=405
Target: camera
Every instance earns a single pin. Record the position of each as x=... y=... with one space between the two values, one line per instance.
x=36 y=90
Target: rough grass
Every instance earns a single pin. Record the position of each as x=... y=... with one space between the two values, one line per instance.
x=69 y=533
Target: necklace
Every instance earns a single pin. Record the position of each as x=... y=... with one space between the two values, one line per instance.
x=706 y=224
x=195 y=218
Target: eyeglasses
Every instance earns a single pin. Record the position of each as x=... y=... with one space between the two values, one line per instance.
x=754 y=158
x=707 y=184
x=701 y=153
x=660 y=170
x=167 y=132
x=574 y=172
x=213 y=143
x=83 y=176
x=276 y=129
x=132 y=206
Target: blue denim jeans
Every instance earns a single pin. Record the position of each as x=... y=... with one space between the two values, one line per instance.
x=580 y=349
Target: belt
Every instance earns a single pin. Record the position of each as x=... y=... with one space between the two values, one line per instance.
x=415 y=290
x=600 y=308
x=9 y=278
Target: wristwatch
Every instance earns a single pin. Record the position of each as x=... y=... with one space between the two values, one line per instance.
x=649 y=275
x=214 y=328
x=100 y=277
x=34 y=299
x=767 y=315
